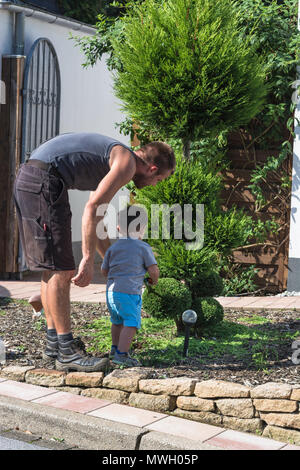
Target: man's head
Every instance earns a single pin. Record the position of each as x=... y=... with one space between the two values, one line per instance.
x=132 y=221
x=155 y=163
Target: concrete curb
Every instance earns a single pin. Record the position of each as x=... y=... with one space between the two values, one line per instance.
x=160 y=441
x=87 y=432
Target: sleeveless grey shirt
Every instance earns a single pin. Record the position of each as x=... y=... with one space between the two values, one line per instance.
x=82 y=159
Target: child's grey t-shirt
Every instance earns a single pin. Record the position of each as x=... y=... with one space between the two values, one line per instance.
x=127 y=261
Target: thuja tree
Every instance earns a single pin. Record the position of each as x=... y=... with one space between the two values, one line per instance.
x=186 y=70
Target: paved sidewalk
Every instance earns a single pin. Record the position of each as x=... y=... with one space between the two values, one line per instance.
x=261 y=303
x=97 y=424
x=95 y=292
x=30 y=284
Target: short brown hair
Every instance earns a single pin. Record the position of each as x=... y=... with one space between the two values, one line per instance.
x=159 y=154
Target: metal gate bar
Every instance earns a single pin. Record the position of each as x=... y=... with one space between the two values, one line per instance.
x=41 y=97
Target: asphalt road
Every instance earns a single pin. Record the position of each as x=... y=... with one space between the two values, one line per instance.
x=15 y=444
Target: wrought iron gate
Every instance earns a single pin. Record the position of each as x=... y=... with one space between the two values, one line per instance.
x=41 y=97
x=41 y=103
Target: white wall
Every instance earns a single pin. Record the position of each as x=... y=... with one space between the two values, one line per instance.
x=5 y=34
x=294 y=249
x=87 y=100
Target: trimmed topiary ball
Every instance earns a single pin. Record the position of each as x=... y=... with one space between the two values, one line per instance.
x=207 y=285
x=168 y=299
x=209 y=311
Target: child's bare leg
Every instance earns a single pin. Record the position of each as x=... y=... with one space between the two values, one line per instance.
x=126 y=336
x=36 y=302
x=115 y=333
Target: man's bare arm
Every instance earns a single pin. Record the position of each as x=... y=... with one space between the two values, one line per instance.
x=102 y=244
x=121 y=172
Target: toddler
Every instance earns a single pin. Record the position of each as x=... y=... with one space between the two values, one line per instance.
x=125 y=264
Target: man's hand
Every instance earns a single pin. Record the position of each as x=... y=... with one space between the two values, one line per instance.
x=85 y=273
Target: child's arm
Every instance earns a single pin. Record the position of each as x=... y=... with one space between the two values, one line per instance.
x=150 y=264
x=104 y=272
x=153 y=273
x=105 y=264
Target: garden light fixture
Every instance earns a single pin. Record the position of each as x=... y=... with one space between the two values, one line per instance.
x=189 y=318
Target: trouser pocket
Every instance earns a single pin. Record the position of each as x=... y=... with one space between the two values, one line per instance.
x=44 y=218
x=38 y=244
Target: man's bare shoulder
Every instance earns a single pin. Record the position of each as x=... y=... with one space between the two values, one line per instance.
x=122 y=156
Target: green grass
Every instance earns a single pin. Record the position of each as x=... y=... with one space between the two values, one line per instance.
x=157 y=343
x=254 y=319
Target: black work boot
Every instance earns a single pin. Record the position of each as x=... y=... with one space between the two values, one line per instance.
x=51 y=350
x=72 y=357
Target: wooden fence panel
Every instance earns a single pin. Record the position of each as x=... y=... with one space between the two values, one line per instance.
x=271 y=258
x=10 y=145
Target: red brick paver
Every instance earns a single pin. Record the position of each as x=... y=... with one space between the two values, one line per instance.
x=24 y=391
x=72 y=402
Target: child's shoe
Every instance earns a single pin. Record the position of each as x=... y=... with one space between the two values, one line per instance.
x=112 y=352
x=124 y=359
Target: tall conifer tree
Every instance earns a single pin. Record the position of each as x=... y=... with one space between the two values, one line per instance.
x=188 y=71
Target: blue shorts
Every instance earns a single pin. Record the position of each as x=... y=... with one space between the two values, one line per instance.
x=125 y=309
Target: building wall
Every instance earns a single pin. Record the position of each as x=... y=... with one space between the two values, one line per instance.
x=294 y=250
x=5 y=34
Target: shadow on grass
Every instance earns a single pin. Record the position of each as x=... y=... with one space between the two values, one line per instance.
x=5 y=301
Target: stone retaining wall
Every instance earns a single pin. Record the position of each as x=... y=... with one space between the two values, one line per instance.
x=270 y=410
